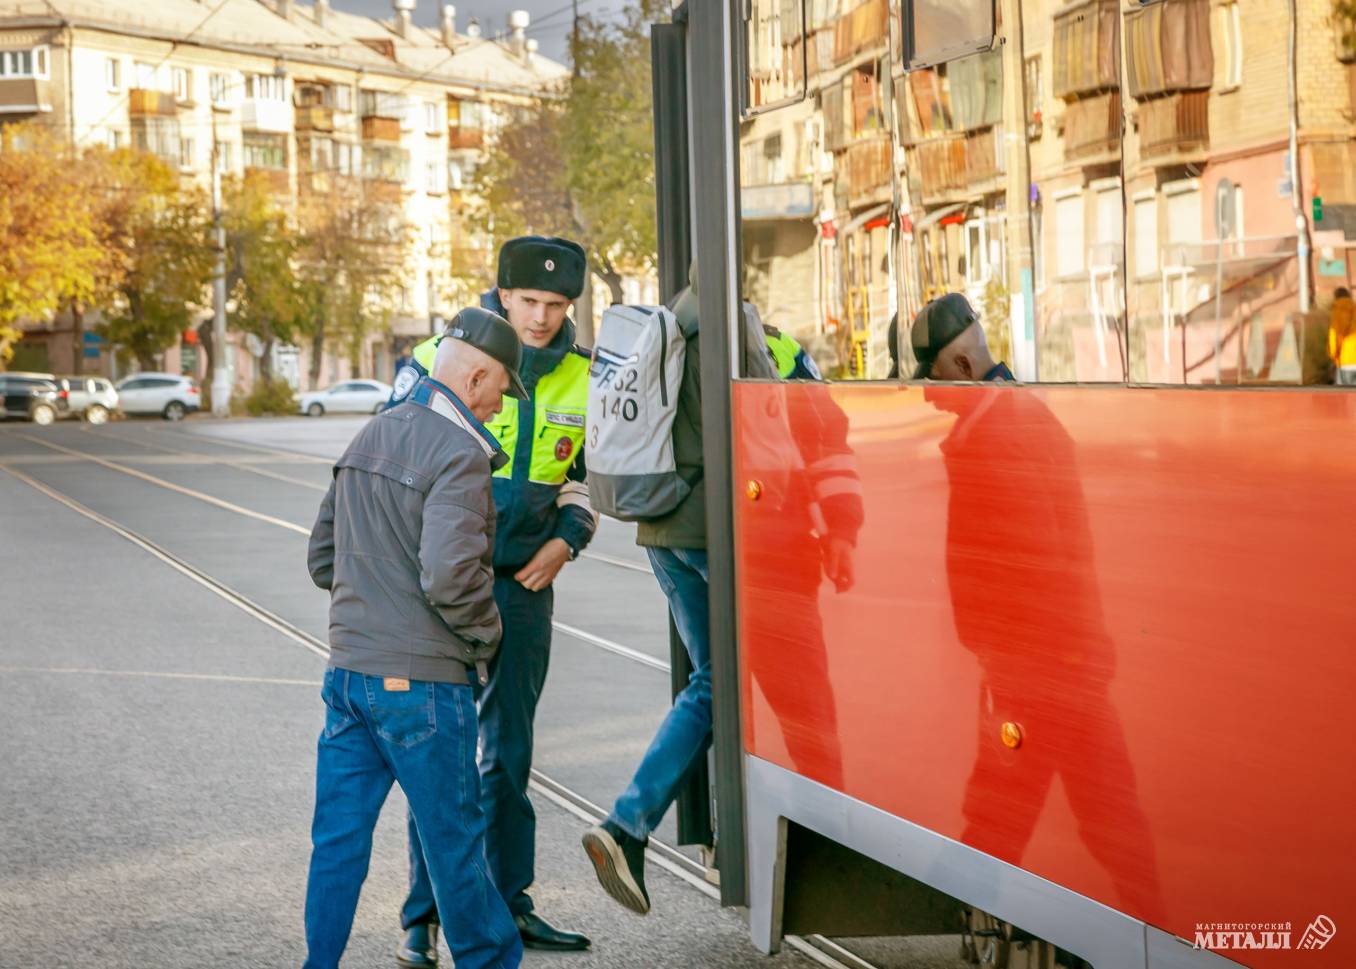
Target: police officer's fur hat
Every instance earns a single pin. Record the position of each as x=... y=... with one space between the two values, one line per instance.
x=538 y=262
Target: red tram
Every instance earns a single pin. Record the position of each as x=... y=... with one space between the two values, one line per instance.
x=1092 y=674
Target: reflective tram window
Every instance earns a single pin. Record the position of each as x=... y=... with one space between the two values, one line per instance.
x=1111 y=187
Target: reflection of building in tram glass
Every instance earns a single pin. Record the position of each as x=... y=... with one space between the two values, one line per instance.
x=1106 y=182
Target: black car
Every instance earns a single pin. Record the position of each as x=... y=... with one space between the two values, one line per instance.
x=32 y=397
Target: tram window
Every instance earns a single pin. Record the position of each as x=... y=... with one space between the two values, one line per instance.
x=937 y=31
x=775 y=54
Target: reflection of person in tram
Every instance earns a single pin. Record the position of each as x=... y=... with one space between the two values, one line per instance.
x=808 y=536
x=1019 y=561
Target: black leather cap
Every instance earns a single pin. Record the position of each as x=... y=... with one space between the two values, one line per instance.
x=492 y=334
x=936 y=325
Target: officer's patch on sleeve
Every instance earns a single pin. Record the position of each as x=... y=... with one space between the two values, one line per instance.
x=404 y=383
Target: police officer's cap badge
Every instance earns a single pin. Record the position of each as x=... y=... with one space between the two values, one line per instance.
x=550 y=265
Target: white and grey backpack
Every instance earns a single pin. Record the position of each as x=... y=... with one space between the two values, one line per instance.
x=633 y=398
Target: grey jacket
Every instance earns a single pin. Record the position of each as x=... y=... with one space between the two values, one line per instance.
x=404 y=540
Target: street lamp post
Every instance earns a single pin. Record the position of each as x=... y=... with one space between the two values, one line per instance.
x=221 y=374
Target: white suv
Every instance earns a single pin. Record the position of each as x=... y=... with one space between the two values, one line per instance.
x=167 y=394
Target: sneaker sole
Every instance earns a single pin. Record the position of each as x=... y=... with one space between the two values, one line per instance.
x=609 y=864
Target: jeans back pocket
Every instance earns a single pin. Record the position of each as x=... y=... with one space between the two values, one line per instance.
x=402 y=717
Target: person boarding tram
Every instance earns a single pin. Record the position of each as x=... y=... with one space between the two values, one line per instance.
x=676 y=546
x=409 y=518
x=545 y=520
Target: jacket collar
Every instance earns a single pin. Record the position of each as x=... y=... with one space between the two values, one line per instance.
x=537 y=361
x=440 y=399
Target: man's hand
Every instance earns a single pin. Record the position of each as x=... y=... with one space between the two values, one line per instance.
x=838 y=563
x=545 y=565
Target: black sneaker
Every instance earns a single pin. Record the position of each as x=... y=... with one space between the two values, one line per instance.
x=419 y=949
x=619 y=861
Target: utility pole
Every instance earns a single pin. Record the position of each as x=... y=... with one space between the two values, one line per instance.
x=221 y=374
x=584 y=304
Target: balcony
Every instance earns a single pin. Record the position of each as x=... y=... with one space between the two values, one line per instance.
x=144 y=103
x=941 y=165
x=263 y=114
x=376 y=128
x=865 y=27
x=459 y=137
x=24 y=95
x=1092 y=128
x=1176 y=125
x=384 y=190
x=315 y=118
x=868 y=169
x=984 y=155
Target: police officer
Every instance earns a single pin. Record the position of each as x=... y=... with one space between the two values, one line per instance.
x=409 y=519
x=545 y=520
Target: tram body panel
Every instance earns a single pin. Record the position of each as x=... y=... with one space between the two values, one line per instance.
x=1152 y=585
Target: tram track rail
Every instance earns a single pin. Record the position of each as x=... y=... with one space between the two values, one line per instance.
x=821 y=950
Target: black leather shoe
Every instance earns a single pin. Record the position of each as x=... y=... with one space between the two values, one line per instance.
x=419 y=950
x=537 y=933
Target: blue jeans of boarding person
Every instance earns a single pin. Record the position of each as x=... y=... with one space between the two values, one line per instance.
x=507 y=707
x=424 y=739
x=685 y=734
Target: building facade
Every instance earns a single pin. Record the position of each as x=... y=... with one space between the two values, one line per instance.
x=1159 y=192
x=325 y=107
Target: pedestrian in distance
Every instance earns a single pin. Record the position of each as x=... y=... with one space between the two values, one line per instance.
x=949 y=343
x=545 y=521
x=1342 y=337
x=403 y=543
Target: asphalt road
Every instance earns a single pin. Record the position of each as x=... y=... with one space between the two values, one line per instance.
x=160 y=657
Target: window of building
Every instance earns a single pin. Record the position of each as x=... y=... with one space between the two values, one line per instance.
x=383 y=104
x=158 y=135
x=433 y=180
x=24 y=63
x=1108 y=230
x=1230 y=29
x=1035 y=97
x=1184 y=212
x=263 y=150
x=774 y=169
x=346 y=158
x=112 y=139
x=976 y=256
x=343 y=97
x=936 y=31
x=321 y=154
x=455 y=176
x=113 y=74
x=1069 y=249
x=1145 y=213
x=219 y=86
x=265 y=87
x=187 y=152
x=144 y=74
x=387 y=163
x=465 y=114
x=225 y=157
x=183 y=84
x=433 y=121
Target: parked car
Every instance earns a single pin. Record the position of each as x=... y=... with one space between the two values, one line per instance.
x=33 y=397
x=348 y=397
x=170 y=395
x=92 y=398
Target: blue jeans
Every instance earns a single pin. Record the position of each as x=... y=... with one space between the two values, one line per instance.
x=424 y=739
x=685 y=734
x=507 y=707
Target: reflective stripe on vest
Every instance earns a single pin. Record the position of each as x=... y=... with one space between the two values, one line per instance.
x=557 y=425
x=784 y=349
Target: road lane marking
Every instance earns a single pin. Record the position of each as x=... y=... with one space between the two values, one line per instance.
x=257 y=448
x=191 y=493
x=268 y=618
x=633 y=654
x=614 y=560
x=154 y=674
x=238 y=463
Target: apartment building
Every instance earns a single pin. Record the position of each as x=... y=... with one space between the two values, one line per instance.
x=1158 y=191
x=309 y=98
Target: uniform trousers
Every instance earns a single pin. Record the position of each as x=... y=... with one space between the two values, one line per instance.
x=507 y=706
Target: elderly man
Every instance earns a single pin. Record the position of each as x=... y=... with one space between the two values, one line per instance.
x=949 y=343
x=545 y=521
x=403 y=543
